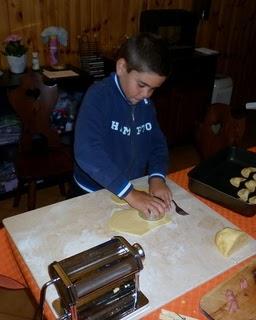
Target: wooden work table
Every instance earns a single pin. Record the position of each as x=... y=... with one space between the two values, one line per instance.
x=183 y=249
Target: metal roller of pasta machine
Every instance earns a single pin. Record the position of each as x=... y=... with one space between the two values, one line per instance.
x=100 y=283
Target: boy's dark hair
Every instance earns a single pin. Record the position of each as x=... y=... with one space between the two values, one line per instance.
x=146 y=52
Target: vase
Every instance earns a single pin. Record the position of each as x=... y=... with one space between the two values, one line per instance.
x=17 y=64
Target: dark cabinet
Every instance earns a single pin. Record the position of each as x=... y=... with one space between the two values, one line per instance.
x=71 y=91
x=181 y=102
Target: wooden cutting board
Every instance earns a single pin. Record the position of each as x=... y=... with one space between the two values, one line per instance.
x=233 y=299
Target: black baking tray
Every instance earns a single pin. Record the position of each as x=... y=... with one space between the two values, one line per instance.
x=211 y=178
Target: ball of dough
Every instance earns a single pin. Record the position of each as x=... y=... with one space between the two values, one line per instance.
x=229 y=240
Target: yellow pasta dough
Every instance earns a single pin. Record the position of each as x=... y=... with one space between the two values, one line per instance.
x=243 y=194
x=236 y=181
x=129 y=221
x=250 y=185
x=252 y=200
x=246 y=171
x=229 y=240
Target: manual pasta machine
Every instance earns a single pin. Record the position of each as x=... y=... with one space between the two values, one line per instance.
x=101 y=283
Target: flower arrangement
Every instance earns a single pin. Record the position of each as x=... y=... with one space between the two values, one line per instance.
x=13 y=46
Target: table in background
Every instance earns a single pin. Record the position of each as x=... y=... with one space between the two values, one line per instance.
x=187 y=304
x=71 y=91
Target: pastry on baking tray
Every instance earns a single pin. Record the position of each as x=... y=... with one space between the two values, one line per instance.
x=245 y=172
x=250 y=185
x=254 y=176
x=243 y=194
x=252 y=200
x=236 y=181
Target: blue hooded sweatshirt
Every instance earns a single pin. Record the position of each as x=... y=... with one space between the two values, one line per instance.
x=116 y=141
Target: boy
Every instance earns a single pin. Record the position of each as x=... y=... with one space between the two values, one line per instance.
x=117 y=137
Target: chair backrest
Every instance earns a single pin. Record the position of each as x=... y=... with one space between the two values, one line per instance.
x=33 y=101
x=219 y=129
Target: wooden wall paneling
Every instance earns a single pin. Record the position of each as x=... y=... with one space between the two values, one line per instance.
x=134 y=9
x=32 y=28
x=101 y=21
x=231 y=30
x=170 y=4
x=234 y=46
x=94 y=21
x=122 y=17
x=37 y=44
x=226 y=27
x=50 y=9
x=243 y=50
x=105 y=31
x=63 y=20
x=110 y=21
x=250 y=54
x=85 y=20
x=16 y=14
x=4 y=29
x=207 y=30
x=230 y=58
x=85 y=12
x=74 y=30
x=113 y=21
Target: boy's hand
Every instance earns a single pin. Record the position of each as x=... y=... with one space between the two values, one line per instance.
x=146 y=203
x=158 y=188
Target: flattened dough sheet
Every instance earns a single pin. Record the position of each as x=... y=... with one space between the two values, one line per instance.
x=129 y=221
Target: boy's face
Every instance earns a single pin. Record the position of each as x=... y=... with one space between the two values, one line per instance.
x=137 y=85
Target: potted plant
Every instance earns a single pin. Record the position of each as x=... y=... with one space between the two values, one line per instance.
x=15 y=52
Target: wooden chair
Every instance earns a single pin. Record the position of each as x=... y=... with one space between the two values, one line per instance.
x=219 y=129
x=41 y=155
